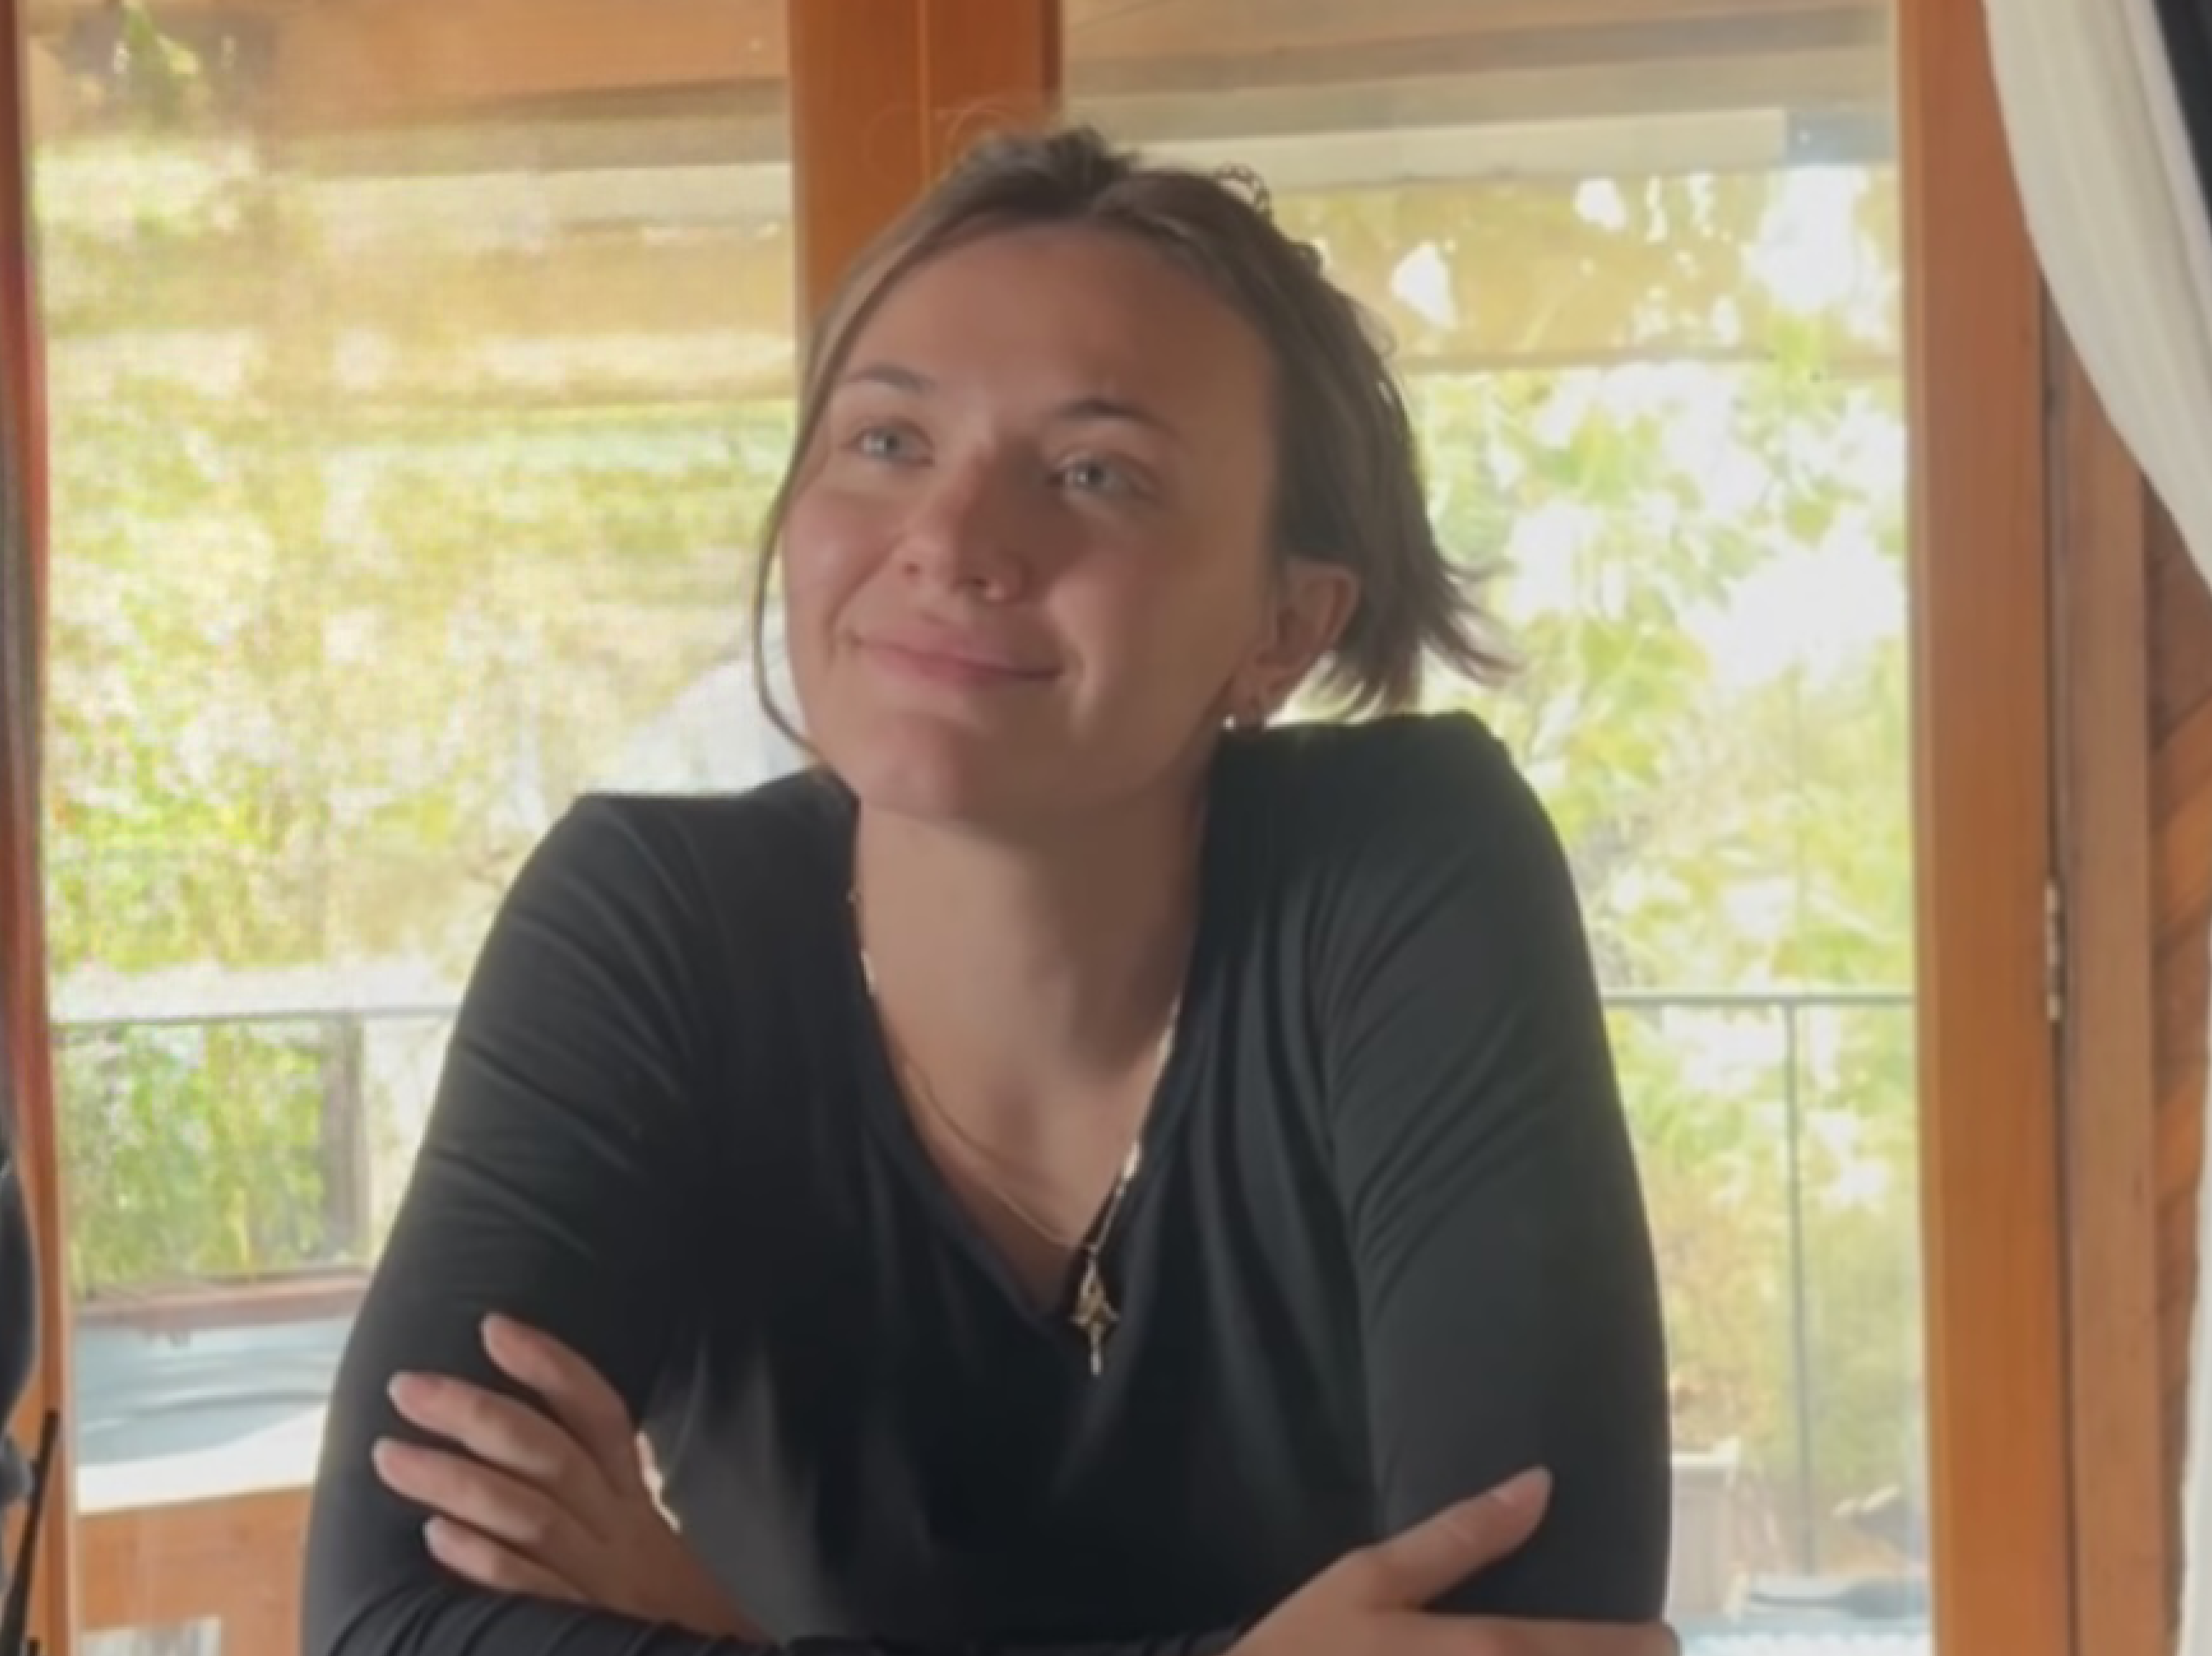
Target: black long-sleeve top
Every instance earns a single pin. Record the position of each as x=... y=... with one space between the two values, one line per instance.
x=1386 y=1247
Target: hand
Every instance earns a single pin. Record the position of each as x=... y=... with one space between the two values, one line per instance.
x=552 y=1503
x=1373 y=1602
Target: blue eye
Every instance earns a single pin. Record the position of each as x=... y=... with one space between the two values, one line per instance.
x=883 y=443
x=1096 y=477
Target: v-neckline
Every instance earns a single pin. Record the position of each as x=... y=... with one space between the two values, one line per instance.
x=882 y=1103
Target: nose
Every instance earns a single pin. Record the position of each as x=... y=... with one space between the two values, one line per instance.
x=964 y=534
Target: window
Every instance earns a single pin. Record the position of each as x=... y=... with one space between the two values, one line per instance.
x=408 y=435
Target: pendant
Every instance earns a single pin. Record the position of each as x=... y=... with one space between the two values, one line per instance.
x=1094 y=1315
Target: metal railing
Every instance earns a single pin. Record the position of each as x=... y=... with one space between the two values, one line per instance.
x=1790 y=1008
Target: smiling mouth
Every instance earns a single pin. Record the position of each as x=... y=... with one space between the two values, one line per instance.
x=935 y=665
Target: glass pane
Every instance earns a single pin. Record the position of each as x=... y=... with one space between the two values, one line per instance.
x=414 y=399
x=1640 y=262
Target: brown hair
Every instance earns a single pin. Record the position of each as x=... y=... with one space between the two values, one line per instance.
x=1350 y=489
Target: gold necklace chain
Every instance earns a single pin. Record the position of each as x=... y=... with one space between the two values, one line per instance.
x=917 y=1084
x=1093 y=1315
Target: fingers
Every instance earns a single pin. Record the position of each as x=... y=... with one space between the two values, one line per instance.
x=477 y=1558
x=488 y=1501
x=577 y=1394
x=504 y=1433
x=1420 y=1564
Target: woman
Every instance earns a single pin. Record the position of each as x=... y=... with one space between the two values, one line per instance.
x=1080 y=1168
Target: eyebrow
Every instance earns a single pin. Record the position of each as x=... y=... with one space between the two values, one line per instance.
x=1076 y=410
x=889 y=375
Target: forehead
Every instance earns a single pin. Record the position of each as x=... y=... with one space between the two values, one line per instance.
x=1065 y=310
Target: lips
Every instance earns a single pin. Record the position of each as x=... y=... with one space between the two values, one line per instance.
x=945 y=657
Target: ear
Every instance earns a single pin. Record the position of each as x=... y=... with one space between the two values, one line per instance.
x=1309 y=603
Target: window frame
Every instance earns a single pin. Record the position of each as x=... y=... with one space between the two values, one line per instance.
x=1993 y=1307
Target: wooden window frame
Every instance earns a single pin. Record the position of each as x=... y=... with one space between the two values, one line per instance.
x=2039 y=1453
x=1998 y=1431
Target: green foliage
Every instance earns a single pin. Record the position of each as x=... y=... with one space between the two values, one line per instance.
x=198 y=1151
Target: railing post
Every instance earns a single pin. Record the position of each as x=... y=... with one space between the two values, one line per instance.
x=344 y=1140
x=1801 y=1354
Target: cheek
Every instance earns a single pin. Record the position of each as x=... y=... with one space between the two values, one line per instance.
x=829 y=553
x=824 y=564
x=1172 y=639
x=1211 y=621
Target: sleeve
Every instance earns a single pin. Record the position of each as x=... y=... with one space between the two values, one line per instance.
x=554 y=1182
x=1508 y=1288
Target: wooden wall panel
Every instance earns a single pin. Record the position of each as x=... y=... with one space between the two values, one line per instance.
x=232 y=1561
x=2180 y=689
x=2122 y=1541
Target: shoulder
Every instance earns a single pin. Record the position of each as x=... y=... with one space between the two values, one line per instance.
x=693 y=836
x=690 y=865
x=637 y=923
x=1405 y=850
x=1406 y=786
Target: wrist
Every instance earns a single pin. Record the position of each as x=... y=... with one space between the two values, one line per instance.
x=709 y=1610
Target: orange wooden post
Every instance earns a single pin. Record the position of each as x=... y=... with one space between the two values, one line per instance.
x=884 y=92
x=1988 y=1102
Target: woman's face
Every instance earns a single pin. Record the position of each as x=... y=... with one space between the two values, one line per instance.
x=1027 y=565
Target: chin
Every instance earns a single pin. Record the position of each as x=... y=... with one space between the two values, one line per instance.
x=939 y=776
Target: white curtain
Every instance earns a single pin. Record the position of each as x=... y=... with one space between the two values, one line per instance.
x=2101 y=150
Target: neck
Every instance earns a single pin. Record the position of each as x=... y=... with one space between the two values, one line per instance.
x=1038 y=965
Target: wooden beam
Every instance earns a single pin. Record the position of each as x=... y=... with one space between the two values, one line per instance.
x=351 y=62
x=23 y=1026
x=1996 y=1350
x=1151 y=50
x=885 y=94
x=1257 y=29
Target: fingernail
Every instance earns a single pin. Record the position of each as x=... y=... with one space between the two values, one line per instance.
x=407 y=1391
x=1523 y=1491
x=506 y=1339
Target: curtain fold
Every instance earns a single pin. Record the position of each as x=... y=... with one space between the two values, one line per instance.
x=2107 y=107
x=2109 y=182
